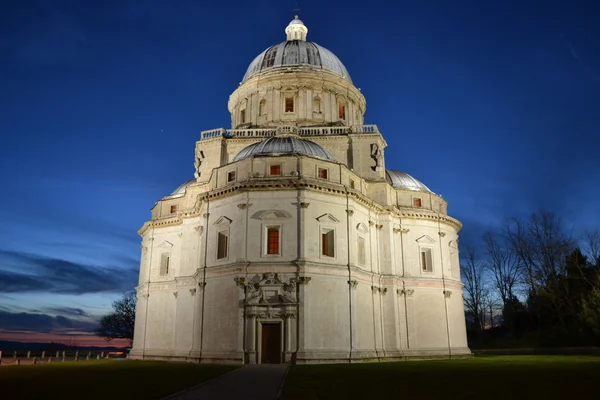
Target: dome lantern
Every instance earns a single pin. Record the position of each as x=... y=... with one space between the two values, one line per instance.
x=296 y=30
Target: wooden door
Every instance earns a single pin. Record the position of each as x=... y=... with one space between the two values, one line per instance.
x=271 y=343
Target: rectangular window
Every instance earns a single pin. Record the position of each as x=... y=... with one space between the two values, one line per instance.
x=242 y=116
x=289 y=104
x=173 y=208
x=275 y=170
x=322 y=173
x=361 y=251
x=417 y=202
x=352 y=185
x=426 y=261
x=342 y=111
x=231 y=176
x=164 y=264
x=328 y=243
x=222 y=239
x=273 y=240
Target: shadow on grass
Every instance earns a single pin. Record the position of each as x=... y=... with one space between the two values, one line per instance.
x=110 y=379
x=501 y=377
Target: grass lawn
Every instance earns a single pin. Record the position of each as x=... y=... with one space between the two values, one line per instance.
x=497 y=377
x=105 y=379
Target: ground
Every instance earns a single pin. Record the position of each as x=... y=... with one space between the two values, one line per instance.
x=496 y=377
x=502 y=377
x=106 y=379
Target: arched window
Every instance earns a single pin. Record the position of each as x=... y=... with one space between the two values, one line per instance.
x=262 y=107
x=342 y=111
x=317 y=105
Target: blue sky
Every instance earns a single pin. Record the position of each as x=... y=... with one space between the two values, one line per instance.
x=493 y=104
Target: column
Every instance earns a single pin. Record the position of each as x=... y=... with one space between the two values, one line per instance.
x=251 y=337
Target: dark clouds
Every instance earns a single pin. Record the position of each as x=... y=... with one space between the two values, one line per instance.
x=23 y=272
x=42 y=322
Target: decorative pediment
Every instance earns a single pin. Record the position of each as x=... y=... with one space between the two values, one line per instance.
x=223 y=221
x=362 y=228
x=271 y=215
x=166 y=245
x=425 y=240
x=328 y=219
x=453 y=245
x=268 y=289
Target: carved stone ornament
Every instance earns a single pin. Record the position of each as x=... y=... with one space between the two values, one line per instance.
x=304 y=205
x=239 y=281
x=376 y=156
x=406 y=292
x=269 y=289
x=375 y=289
x=442 y=234
x=371 y=222
x=353 y=284
x=379 y=226
x=175 y=293
x=396 y=230
x=192 y=291
x=303 y=280
x=447 y=293
x=383 y=290
x=243 y=206
x=404 y=230
x=350 y=212
x=206 y=215
x=199 y=229
x=201 y=285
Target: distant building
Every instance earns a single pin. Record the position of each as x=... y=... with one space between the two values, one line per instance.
x=293 y=243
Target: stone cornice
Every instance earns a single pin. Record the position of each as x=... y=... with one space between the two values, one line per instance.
x=258 y=184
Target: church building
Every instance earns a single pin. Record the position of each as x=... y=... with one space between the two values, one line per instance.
x=293 y=243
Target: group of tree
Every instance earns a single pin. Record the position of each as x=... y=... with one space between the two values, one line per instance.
x=533 y=283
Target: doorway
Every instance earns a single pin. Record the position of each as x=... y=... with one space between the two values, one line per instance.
x=270 y=343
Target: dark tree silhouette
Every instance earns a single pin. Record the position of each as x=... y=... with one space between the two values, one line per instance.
x=119 y=324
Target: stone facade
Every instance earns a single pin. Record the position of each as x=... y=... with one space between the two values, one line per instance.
x=292 y=258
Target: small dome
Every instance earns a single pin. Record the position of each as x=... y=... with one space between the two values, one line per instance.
x=402 y=180
x=296 y=53
x=180 y=191
x=287 y=145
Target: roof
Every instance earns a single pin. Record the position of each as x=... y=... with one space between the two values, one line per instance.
x=180 y=191
x=296 y=53
x=287 y=145
x=402 y=180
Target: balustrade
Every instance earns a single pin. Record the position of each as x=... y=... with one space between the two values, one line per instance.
x=300 y=131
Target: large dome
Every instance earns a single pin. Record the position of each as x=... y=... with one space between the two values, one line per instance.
x=402 y=180
x=296 y=53
x=288 y=145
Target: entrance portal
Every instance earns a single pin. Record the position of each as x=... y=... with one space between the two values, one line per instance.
x=271 y=343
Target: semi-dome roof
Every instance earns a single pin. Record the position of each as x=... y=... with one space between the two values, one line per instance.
x=288 y=145
x=402 y=180
x=296 y=51
x=180 y=191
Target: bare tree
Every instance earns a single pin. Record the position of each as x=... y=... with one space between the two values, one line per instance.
x=506 y=275
x=592 y=245
x=475 y=291
x=541 y=246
